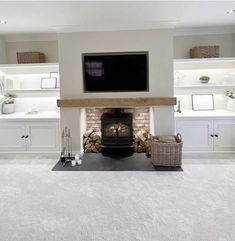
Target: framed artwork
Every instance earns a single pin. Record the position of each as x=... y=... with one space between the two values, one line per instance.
x=202 y=102
x=56 y=75
x=48 y=83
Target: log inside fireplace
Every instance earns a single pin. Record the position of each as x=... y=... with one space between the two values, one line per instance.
x=117 y=131
x=92 y=141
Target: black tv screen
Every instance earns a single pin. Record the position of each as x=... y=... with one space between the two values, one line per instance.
x=112 y=72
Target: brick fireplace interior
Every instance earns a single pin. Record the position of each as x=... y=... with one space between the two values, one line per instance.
x=92 y=138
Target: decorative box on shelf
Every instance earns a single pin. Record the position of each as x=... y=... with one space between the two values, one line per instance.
x=204 y=52
x=30 y=57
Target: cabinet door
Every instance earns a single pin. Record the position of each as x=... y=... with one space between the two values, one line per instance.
x=12 y=136
x=42 y=136
x=224 y=135
x=196 y=135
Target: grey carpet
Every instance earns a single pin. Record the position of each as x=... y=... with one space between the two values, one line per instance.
x=37 y=204
x=98 y=162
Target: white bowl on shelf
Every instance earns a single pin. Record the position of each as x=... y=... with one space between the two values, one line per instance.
x=8 y=108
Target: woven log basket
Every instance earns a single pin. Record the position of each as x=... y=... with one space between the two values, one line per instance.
x=166 y=153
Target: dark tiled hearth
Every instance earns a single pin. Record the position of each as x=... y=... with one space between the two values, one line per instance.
x=98 y=162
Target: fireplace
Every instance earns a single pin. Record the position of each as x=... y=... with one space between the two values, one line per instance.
x=137 y=119
x=117 y=131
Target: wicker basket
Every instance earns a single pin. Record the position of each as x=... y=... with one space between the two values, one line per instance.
x=166 y=154
x=30 y=57
x=204 y=52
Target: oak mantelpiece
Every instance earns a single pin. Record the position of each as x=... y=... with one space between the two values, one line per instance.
x=116 y=102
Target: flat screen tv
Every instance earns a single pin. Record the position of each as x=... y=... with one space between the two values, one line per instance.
x=115 y=72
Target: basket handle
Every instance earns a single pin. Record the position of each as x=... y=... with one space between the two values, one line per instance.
x=179 y=137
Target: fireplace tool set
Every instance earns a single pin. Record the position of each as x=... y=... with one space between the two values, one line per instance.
x=66 y=153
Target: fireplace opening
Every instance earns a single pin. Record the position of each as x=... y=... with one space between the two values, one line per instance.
x=117 y=132
x=140 y=125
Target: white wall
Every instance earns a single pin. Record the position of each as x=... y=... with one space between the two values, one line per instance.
x=159 y=44
x=2 y=50
x=182 y=44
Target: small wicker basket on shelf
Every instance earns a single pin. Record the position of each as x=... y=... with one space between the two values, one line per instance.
x=30 y=57
x=204 y=52
x=166 y=153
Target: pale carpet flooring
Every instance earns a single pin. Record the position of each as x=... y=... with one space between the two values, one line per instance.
x=37 y=204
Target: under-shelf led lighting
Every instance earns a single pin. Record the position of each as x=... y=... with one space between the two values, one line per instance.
x=231 y=11
x=3 y=22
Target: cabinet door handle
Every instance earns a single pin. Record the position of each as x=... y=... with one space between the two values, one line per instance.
x=22 y=137
x=26 y=136
x=212 y=135
x=216 y=135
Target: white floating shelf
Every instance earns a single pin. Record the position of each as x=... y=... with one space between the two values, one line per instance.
x=34 y=65
x=32 y=90
x=205 y=86
x=204 y=60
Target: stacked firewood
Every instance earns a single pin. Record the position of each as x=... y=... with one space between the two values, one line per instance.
x=92 y=141
x=141 y=138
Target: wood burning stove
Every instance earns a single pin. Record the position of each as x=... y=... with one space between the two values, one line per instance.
x=117 y=131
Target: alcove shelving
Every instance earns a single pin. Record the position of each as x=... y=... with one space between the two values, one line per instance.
x=220 y=70
x=26 y=78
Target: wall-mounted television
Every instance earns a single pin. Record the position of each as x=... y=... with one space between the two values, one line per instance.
x=115 y=72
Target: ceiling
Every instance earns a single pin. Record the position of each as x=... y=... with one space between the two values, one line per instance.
x=63 y=16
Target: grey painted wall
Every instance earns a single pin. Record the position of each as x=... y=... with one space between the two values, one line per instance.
x=159 y=44
x=2 y=50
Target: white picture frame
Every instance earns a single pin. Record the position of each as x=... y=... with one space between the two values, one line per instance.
x=202 y=102
x=48 y=83
x=56 y=75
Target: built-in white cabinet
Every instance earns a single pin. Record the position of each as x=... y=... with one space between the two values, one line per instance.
x=224 y=138
x=196 y=134
x=207 y=134
x=25 y=134
x=12 y=136
x=29 y=136
x=17 y=78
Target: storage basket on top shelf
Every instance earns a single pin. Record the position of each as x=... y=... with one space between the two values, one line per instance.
x=30 y=57
x=204 y=52
x=166 y=150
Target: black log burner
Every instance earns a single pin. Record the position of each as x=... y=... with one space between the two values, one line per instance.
x=117 y=132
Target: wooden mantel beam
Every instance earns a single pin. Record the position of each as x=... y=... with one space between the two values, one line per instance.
x=116 y=102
